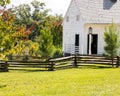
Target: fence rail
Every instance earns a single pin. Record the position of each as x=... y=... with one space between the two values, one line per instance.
x=95 y=60
x=64 y=62
x=30 y=64
x=58 y=63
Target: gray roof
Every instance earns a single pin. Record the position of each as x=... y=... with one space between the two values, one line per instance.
x=99 y=11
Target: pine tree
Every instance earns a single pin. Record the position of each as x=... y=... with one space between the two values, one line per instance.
x=111 y=38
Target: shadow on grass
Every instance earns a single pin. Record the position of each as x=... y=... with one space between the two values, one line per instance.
x=84 y=67
x=93 y=67
x=27 y=70
x=2 y=86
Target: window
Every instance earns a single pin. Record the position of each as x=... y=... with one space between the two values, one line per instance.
x=77 y=17
x=67 y=19
x=76 y=39
x=90 y=30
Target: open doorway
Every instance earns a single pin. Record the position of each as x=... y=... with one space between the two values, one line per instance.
x=94 y=44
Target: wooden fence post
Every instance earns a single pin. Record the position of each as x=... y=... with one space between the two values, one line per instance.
x=6 y=66
x=51 y=65
x=118 y=62
x=75 y=61
x=3 y=66
x=25 y=58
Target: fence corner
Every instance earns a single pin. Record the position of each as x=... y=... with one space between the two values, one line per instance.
x=51 y=66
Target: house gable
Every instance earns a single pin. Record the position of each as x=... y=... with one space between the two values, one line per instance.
x=99 y=11
x=72 y=13
x=72 y=26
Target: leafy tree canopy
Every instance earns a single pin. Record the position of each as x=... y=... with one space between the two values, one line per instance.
x=10 y=33
x=30 y=27
x=4 y=2
x=27 y=14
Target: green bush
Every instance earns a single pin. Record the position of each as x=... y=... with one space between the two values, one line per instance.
x=58 y=53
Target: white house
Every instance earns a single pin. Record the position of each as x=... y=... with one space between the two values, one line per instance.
x=84 y=24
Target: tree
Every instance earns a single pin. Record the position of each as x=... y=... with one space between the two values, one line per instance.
x=23 y=15
x=47 y=30
x=31 y=47
x=56 y=29
x=46 y=42
x=111 y=37
x=13 y=36
x=55 y=24
x=10 y=33
x=26 y=17
x=4 y=2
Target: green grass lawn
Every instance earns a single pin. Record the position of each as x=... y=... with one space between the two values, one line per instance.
x=69 y=82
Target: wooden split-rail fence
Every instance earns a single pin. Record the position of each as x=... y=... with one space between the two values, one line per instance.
x=3 y=66
x=84 y=60
x=58 y=63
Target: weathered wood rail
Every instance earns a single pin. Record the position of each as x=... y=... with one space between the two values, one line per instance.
x=44 y=65
x=80 y=60
x=83 y=60
x=64 y=62
x=23 y=62
x=60 y=63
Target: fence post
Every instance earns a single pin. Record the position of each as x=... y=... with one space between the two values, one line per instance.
x=75 y=61
x=6 y=66
x=3 y=66
x=118 y=62
x=51 y=65
x=25 y=58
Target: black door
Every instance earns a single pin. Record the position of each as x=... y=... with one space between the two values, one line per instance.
x=94 y=44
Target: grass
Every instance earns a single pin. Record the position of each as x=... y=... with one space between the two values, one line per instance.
x=69 y=82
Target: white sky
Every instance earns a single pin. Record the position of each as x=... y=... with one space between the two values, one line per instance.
x=57 y=6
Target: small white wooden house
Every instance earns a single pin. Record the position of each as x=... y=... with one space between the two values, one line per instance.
x=84 y=24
